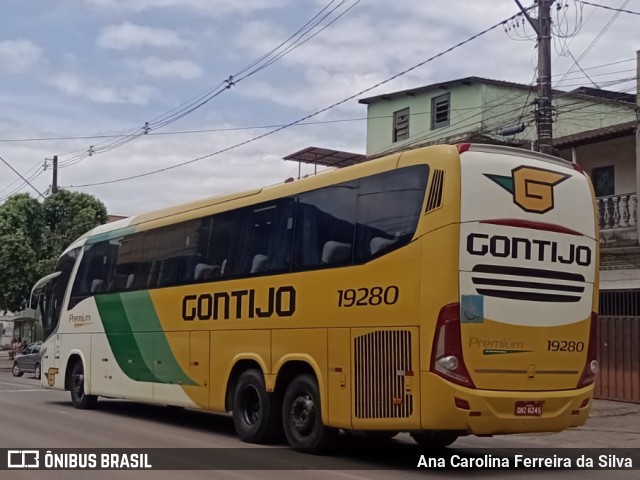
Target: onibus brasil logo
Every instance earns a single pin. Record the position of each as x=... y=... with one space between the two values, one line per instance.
x=532 y=188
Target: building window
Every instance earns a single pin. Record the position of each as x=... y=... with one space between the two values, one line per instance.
x=619 y=303
x=401 y=125
x=603 y=181
x=440 y=111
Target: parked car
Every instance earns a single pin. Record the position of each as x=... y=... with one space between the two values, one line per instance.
x=28 y=361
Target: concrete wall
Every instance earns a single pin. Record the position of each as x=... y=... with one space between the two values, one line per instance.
x=619 y=152
x=466 y=114
x=488 y=108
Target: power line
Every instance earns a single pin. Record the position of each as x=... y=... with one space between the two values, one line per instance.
x=301 y=36
x=593 y=42
x=609 y=8
x=97 y=136
x=306 y=117
x=212 y=130
x=21 y=176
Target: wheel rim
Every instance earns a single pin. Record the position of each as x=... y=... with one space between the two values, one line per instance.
x=38 y=371
x=250 y=405
x=16 y=369
x=78 y=385
x=302 y=414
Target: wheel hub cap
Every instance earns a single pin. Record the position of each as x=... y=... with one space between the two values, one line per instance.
x=302 y=413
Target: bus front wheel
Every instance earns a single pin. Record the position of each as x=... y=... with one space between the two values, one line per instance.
x=256 y=413
x=79 y=398
x=302 y=417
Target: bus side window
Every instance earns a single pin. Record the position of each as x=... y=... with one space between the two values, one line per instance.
x=325 y=223
x=94 y=273
x=265 y=236
x=389 y=206
x=170 y=254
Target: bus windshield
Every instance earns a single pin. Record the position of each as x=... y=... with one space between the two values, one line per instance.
x=52 y=296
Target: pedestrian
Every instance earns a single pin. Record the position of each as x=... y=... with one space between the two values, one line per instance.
x=12 y=351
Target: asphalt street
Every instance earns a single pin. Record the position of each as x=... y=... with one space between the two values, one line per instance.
x=31 y=417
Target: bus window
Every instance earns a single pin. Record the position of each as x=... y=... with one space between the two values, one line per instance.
x=389 y=206
x=127 y=264
x=170 y=254
x=52 y=303
x=216 y=251
x=325 y=226
x=264 y=240
x=95 y=271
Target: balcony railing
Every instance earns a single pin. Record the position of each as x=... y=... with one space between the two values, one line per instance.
x=618 y=220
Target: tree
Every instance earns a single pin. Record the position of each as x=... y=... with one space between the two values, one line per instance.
x=33 y=235
x=68 y=215
x=18 y=270
x=23 y=213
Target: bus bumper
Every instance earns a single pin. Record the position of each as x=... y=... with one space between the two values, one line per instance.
x=493 y=412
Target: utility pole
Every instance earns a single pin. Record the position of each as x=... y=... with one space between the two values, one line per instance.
x=54 y=183
x=544 y=120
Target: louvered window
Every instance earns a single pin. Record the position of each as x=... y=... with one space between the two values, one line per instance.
x=440 y=111
x=401 y=125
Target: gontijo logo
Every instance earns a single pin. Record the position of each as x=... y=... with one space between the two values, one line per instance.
x=532 y=188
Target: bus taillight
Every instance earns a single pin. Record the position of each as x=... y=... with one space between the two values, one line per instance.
x=446 y=357
x=591 y=365
x=463 y=147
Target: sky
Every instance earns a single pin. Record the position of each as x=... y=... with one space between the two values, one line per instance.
x=108 y=71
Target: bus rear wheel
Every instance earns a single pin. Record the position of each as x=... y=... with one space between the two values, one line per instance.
x=79 y=398
x=434 y=440
x=256 y=413
x=302 y=417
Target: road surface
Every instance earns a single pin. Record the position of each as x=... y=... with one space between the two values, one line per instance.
x=32 y=417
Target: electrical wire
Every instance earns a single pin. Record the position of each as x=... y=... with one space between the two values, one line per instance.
x=593 y=42
x=21 y=176
x=305 y=33
x=306 y=117
x=606 y=7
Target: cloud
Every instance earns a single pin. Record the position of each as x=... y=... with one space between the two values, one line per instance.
x=213 y=8
x=74 y=86
x=254 y=165
x=17 y=56
x=158 y=67
x=128 y=35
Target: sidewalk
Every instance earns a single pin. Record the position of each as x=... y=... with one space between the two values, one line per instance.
x=5 y=363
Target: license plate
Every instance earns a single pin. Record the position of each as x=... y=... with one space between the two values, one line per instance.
x=528 y=409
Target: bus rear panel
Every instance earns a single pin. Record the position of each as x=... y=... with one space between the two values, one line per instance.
x=516 y=351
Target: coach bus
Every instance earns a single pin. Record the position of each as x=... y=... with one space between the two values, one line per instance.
x=443 y=291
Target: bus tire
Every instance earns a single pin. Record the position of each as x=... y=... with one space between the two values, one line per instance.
x=302 y=416
x=256 y=413
x=434 y=440
x=79 y=399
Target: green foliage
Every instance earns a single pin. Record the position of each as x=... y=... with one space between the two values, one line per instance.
x=33 y=235
x=22 y=213
x=18 y=270
x=68 y=215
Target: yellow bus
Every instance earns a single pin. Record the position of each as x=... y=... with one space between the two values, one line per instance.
x=443 y=291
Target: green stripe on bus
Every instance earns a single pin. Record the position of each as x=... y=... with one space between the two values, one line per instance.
x=140 y=309
x=124 y=345
x=120 y=232
x=137 y=351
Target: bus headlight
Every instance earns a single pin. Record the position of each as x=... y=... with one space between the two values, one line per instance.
x=594 y=366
